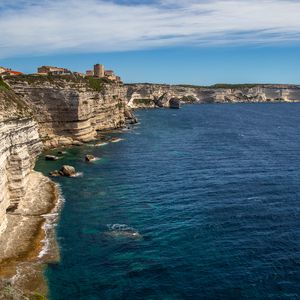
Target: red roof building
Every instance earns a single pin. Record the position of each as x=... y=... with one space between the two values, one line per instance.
x=9 y=72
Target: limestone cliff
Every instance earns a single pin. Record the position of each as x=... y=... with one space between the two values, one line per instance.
x=71 y=108
x=159 y=95
x=25 y=195
x=19 y=146
x=37 y=112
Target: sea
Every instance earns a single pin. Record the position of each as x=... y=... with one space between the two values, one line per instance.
x=197 y=203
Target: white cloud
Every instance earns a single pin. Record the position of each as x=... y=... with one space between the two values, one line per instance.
x=32 y=27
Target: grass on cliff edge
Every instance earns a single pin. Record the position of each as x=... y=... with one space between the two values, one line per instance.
x=3 y=84
x=224 y=86
x=35 y=78
x=96 y=84
x=12 y=104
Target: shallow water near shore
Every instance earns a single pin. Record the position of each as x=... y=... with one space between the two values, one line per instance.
x=197 y=203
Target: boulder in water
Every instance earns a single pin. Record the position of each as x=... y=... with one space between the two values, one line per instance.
x=89 y=157
x=54 y=173
x=67 y=171
x=51 y=157
x=61 y=152
x=174 y=103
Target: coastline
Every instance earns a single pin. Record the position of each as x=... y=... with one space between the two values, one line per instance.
x=28 y=241
x=28 y=237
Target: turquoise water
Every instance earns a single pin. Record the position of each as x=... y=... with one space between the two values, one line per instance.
x=212 y=194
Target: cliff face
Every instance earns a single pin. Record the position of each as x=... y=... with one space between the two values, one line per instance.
x=158 y=95
x=70 y=108
x=37 y=112
x=19 y=146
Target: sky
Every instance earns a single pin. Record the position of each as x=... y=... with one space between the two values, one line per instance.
x=165 y=41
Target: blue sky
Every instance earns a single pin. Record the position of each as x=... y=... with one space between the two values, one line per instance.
x=168 y=41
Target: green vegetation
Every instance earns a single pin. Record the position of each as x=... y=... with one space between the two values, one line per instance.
x=223 y=86
x=3 y=85
x=40 y=79
x=192 y=86
x=9 y=101
x=143 y=101
x=38 y=296
x=189 y=99
x=120 y=105
x=233 y=86
x=98 y=84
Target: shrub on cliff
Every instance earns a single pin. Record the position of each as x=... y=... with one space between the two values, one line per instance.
x=3 y=84
x=12 y=106
x=143 y=101
x=98 y=84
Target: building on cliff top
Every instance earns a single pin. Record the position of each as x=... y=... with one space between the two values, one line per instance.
x=99 y=71
x=89 y=73
x=9 y=72
x=50 y=70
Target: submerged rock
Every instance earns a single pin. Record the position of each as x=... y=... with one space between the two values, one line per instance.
x=115 y=139
x=60 y=152
x=54 y=173
x=51 y=157
x=101 y=143
x=89 y=157
x=122 y=230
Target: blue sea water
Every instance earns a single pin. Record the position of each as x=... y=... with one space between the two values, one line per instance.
x=213 y=195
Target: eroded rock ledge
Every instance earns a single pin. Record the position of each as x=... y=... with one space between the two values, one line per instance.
x=146 y=95
x=69 y=109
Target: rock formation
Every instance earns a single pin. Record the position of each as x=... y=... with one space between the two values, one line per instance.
x=89 y=157
x=159 y=95
x=25 y=195
x=37 y=112
x=19 y=146
x=174 y=103
x=70 y=109
x=67 y=171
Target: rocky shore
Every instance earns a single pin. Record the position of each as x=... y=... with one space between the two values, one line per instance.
x=35 y=114
x=146 y=95
x=24 y=239
x=44 y=112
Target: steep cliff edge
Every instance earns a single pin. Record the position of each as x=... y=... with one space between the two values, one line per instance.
x=19 y=146
x=71 y=108
x=159 y=95
x=39 y=112
x=25 y=195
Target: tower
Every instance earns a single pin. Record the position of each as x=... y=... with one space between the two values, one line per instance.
x=98 y=70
